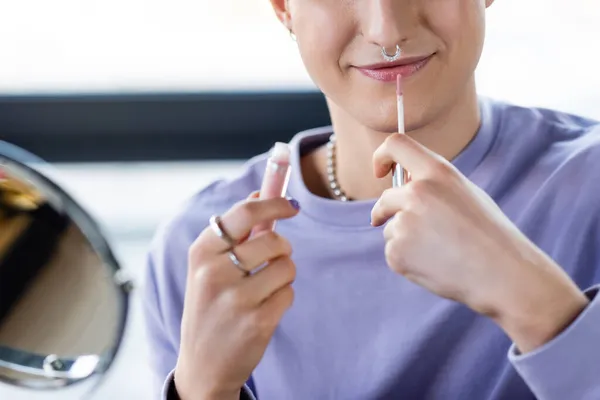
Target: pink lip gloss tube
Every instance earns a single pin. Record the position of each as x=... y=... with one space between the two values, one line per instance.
x=275 y=180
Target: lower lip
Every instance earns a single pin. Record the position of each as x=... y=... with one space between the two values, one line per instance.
x=390 y=74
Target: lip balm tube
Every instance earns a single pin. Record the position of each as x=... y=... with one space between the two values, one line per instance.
x=276 y=178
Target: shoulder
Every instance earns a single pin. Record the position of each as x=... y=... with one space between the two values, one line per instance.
x=544 y=124
x=546 y=161
x=166 y=266
x=545 y=170
x=181 y=229
x=553 y=138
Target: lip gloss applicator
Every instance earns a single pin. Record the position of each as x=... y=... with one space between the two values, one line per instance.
x=399 y=173
x=276 y=178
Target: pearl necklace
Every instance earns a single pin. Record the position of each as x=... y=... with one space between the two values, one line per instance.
x=331 y=171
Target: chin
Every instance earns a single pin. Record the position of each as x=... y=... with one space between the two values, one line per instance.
x=378 y=115
x=375 y=108
x=384 y=119
x=382 y=126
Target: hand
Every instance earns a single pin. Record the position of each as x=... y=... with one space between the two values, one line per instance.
x=447 y=235
x=228 y=317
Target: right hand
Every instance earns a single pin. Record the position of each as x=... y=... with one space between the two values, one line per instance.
x=229 y=318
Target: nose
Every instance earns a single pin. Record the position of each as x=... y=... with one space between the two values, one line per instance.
x=386 y=23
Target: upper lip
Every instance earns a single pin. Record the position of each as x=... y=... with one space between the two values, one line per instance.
x=401 y=61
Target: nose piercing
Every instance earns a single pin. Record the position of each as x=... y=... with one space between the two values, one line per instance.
x=393 y=57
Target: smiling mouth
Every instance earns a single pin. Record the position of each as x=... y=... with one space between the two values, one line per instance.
x=387 y=72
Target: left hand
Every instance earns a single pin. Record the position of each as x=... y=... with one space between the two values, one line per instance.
x=447 y=235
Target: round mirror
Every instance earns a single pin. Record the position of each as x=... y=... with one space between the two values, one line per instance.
x=63 y=297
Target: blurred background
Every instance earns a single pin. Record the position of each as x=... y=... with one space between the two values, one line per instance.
x=140 y=103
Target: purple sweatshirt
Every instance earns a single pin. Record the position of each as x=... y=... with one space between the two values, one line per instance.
x=358 y=331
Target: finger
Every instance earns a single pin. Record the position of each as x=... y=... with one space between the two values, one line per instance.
x=238 y=221
x=407 y=152
x=276 y=274
x=391 y=202
x=263 y=247
x=230 y=268
x=253 y=196
x=390 y=228
x=272 y=310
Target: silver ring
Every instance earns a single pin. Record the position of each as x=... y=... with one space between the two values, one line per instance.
x=393 y=57
x=215 y=224
x=237 y=263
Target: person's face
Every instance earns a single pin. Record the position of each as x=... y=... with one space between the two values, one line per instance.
x=337 y=38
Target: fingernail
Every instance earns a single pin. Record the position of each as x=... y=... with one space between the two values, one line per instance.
x=294 y=203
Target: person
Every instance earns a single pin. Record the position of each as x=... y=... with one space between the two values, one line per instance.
x=476 y=279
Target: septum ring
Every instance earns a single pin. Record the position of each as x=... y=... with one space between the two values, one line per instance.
x=393 y=57
x=217 y=228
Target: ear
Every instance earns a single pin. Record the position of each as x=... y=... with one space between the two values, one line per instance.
x=282 y=10
x=488 y=3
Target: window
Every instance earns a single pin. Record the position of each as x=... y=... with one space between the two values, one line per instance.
x=541 y=52
x=145 y=45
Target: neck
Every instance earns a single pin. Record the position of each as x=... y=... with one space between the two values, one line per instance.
x=447 y=136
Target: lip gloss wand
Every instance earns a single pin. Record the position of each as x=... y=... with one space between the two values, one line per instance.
x=399 y=173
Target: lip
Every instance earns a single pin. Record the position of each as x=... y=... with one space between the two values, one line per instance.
x=388 y=71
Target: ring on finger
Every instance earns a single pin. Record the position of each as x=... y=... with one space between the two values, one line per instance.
x=237 y=263
x=217 y=228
